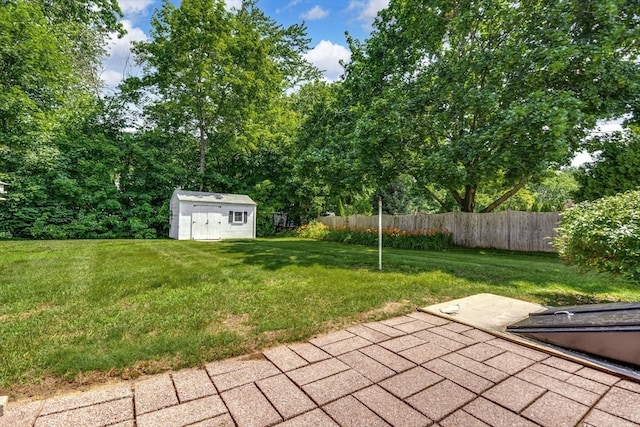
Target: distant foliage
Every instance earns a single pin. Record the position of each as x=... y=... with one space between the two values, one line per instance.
x=391 y=237
x=603 y=235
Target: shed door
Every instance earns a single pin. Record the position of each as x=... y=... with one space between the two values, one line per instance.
x=205 y=224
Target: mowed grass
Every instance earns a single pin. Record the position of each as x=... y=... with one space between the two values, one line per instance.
x=73 y=309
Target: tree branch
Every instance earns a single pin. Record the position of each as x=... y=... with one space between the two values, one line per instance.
x=506 y=195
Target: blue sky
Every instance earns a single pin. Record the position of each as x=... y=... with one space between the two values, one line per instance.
x=326 y=21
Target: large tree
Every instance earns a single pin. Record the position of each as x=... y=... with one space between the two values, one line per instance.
x=211 y=71
x=462 y=93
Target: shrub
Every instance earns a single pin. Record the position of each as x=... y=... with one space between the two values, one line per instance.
x=603 y=235
x=391 y=237
x=313 y=230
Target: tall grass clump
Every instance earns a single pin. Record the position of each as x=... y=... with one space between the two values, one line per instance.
x=391 y=237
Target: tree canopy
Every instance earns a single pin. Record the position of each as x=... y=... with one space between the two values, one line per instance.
x=462 y=93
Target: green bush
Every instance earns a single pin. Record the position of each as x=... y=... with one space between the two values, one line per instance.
x=391 y=237
x=603 y=235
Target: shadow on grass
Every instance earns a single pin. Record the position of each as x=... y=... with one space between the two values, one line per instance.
x=542 y=276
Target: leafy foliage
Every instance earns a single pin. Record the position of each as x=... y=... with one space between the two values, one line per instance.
x=615 y=168
x=492 y=92
x=391 y=237
x=603 y=235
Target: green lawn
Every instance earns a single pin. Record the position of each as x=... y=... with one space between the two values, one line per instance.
x=73 y=309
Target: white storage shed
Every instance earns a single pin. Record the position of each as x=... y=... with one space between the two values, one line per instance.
x=212 y=216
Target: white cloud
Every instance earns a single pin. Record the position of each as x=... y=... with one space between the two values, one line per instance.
x=326 y=56
x=367 y=10
x=315 y=13
x=119 y=60
x=233 y=4
x=135 y=7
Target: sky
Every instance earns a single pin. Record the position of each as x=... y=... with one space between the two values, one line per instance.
x=326 y=22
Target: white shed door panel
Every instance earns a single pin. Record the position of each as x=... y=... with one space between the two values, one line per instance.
x=205 y=225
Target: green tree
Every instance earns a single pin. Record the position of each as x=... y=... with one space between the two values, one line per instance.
x=465 y=93
x=211 y=72
x=614 y=169
x=46 y=98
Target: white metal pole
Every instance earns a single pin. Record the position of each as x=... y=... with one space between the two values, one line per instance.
x=380 y=233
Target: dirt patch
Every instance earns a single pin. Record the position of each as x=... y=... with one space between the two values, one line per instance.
x=85 y=381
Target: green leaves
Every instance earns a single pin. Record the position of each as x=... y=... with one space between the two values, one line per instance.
x=489 y=91
x=603 y=235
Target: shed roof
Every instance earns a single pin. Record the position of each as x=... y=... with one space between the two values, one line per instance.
x=202 y=197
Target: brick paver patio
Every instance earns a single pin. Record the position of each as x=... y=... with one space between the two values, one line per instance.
x=414 y=370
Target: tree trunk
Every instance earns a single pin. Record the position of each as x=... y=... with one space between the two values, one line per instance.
x=468 y=203
x=506 y=195
x=203 y=155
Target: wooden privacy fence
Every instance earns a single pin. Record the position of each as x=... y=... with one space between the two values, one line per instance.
x=511 y=230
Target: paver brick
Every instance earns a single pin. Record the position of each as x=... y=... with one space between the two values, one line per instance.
x=331 y=338
x=223 y=420
x=367 y=366
x=414 y=326
x=599 y=376
x=423 y=353
x=249 y=407
x=457 y=327
x=527 y=352
x=401 y=343
x=154 y=393
x=225 y=366
x=385 y=329
x=452 y=335
x=368 y=333
x=562 y=364
x=390 y=408
x=587 y=384
x=285 y=396
x=621 y=403
x=334 y=387
x=345 y=346
x=309 y=352
x=551 y=371
x=285 y=358
x=478 y=335
x=553 y=410
x=481 y=351
x=410 y=382
x=485 y=371
x=192 y=384
x=350 y=412
x=315 y=418
x=447 y=343
x=514 y=393
x=597 y=418
x=19 y=415
x=441 y=399
x=458 y=375
x=184 y=414
x=255 y=371
x=317 y=371
x=387 y=358
x=462 y=419
x=628 y=385
x=102 y=414
x=495 y=415
x=93 y=397
x=429 y=318
x=510 y=363
x=562 y=388
x=395 y=321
